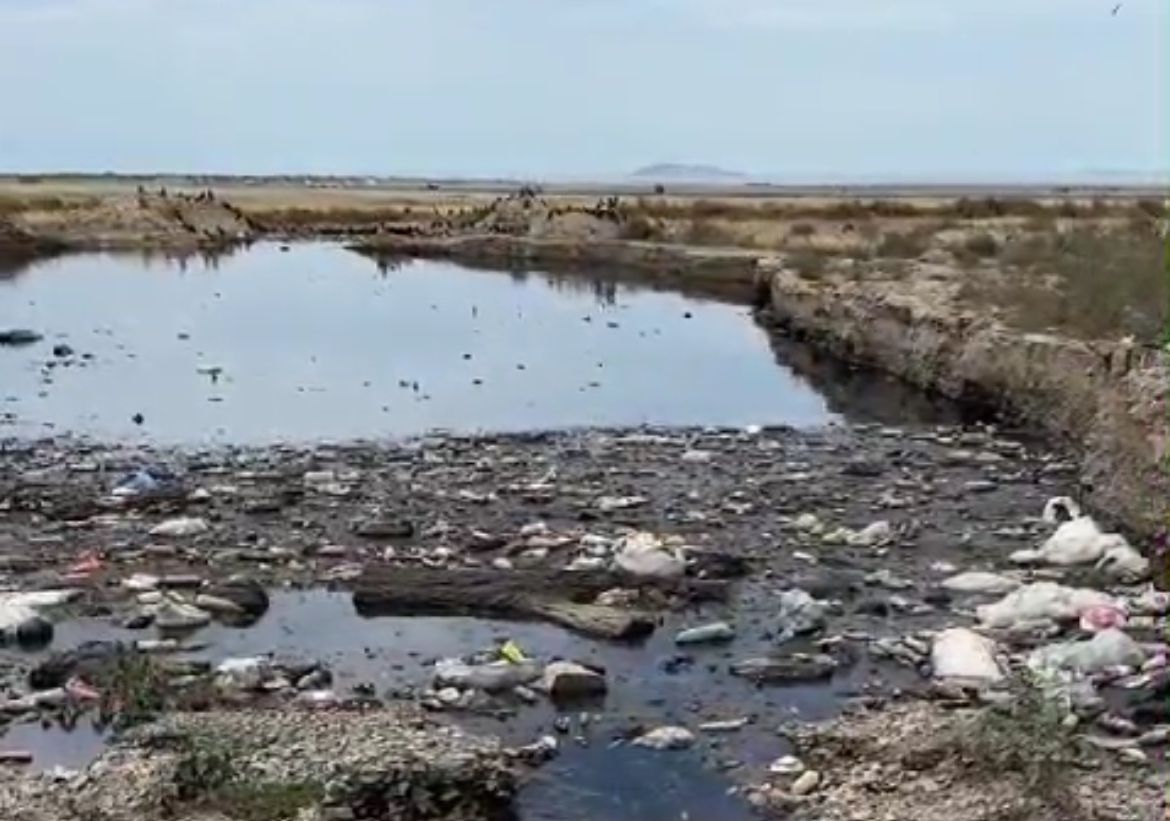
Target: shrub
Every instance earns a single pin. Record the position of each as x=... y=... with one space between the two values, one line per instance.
x=901 y=245
x=981 y=245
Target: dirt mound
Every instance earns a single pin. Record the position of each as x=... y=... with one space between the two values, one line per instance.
x=527 y=214
x=922 y=761
x=146 y=219
x=289 y=763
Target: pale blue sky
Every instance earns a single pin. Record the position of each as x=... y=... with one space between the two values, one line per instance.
x=801 y=89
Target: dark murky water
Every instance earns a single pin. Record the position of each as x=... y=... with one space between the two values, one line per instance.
x=606 y=781
x=318 y=343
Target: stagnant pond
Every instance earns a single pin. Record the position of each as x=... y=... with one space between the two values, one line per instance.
x=314 y=342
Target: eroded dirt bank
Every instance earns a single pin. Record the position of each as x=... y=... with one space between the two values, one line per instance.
x=1107 y=399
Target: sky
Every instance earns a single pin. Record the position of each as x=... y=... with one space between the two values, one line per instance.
x=798 y=90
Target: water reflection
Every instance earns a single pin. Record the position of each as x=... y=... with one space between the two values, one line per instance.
x=313 y=341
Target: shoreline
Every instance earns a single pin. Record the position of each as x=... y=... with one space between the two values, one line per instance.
x=1103 y=397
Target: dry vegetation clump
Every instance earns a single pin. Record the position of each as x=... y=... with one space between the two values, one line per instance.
x=1094 y=281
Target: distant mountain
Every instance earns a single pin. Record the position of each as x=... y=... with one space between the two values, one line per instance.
x=688 y=172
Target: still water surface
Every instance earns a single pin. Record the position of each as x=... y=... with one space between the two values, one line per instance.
x=317 y=342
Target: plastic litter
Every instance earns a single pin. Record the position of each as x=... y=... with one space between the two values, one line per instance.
x=1041 y=601
x=799 y=613
x=1102 y=617
x=644 y=556
x=872 y=535
x=1124 y=564
x=510 y=651
x=1109 y=648
x=1076 y=541
x=714 y=632
x=963 y=656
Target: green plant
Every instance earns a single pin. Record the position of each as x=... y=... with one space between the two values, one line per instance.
x=134 y=690
x=1026 y=736
x=208 y=776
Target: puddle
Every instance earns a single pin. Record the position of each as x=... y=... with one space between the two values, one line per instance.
x=606 y=781
x=629 y=784
x=206 y=349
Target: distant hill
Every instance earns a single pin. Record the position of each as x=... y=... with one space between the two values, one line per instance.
x=688 y=172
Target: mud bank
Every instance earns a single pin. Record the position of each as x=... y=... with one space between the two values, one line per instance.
x=147 y=220
x=1106 y=399
x=726 y=272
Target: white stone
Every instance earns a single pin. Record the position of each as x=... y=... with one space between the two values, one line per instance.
x=979 y=581
x=666 y=738
x=181 y=527
x=806 y=783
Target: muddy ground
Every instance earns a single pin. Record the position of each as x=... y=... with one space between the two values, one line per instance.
x=489 y=527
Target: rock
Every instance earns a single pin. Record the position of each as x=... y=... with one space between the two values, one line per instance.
x=217 y=606
x=245 y=593
x=141 y=582
x=1109 y=648
x=799 y=614
x=88 y=661
x=19 y=336
x=808 y=523
x=666 y=738
x=786 y=765
x=785 y=669
x=878 y=533
x=963 y=656
x=1040 y=601
x=317 y=699
x=61 y=350
x=245 y=674
x=494 y=676
x=23 y=616
x=643 y=555
x=805 y=783
x=384 y=529
x=719 y=631
x=609 y=504
x=174 y=614
x=569 y=680
x=181 y=527
x=978 y=581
